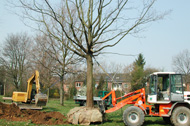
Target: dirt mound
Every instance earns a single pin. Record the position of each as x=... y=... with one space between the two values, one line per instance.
x=13 y=113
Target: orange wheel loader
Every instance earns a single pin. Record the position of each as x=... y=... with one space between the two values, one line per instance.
x=165 y=99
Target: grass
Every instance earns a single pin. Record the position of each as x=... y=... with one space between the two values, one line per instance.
x=113 y=119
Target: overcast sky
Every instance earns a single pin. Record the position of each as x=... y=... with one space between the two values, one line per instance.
x=160 y=42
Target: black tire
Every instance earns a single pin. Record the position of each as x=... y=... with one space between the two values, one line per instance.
x=181 y=116
x=133 y=116
x=81 y=103
x=167 y=120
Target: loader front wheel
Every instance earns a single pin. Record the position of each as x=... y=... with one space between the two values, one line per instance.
x=133 y=116
x=181 y=116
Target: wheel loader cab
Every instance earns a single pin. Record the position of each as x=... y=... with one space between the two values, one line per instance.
x=165 y=87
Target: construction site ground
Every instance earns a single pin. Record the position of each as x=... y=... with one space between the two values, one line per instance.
x=55 y=114
x=13 y=113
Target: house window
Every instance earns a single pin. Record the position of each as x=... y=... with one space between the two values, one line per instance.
x=78 y=85
x=126 y=85
x=96 y=85
x=117 y=86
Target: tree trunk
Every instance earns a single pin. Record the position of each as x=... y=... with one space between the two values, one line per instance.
x=5 y=81
x=89 y=92
x=48 y=95
x=4 y=91
x=62 y=90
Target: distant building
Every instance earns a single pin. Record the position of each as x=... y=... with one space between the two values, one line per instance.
x=113 y=81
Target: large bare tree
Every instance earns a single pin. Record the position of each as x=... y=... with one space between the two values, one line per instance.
x=181 y=63
x=14 y=57
x=55 y=58
x=91 y=25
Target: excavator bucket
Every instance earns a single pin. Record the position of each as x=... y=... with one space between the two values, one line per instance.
x=40 y=99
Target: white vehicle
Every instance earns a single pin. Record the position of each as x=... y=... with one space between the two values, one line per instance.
x=166 y=87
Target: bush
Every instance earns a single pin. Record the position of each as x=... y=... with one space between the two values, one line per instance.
x=54 y=93
x=119 y=94
x=72 y=92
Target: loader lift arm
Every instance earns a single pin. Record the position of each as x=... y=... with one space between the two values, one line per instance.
x=137 y=98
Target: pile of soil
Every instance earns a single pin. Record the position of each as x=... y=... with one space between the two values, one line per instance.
x=13 y=113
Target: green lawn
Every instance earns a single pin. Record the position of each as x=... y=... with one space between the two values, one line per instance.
x=113 y=119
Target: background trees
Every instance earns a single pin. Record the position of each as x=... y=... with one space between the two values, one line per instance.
x=14 y=58
x=137 y=74
x=56 y=58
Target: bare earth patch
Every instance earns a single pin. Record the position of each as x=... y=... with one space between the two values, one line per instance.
x=13 y=113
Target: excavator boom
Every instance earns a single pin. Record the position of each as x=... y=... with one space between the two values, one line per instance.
x=40 y=99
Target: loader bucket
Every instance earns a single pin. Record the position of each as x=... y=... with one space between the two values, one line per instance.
x=40 y=99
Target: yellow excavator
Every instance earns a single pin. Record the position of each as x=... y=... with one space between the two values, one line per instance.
x=33 y=98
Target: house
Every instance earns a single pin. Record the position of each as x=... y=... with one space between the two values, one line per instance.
x=113 y=81
x=79 y=84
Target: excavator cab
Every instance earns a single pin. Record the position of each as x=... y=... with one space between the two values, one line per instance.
x=165 y=87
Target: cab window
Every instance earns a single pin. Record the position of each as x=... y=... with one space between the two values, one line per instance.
x=152 y=87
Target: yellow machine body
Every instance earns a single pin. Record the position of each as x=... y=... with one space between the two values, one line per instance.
x=26 y=97
x=19 y=96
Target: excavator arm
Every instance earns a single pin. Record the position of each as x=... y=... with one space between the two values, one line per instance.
x=40 y=99
x=31 y=80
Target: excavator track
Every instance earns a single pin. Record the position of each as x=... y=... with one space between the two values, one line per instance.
x=29 y=106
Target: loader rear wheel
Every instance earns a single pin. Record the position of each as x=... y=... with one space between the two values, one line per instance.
x=133 y=116
x=181 y=116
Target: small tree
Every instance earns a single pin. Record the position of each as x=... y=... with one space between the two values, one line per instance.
x=72 y=91
x=2 y=80
x=181 y=64
x=101 y=85
x=137 y=75
x=140 y=61
x=55 y=58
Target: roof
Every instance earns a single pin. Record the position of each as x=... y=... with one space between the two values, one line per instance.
x=156 y=73
x=110 y=77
